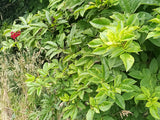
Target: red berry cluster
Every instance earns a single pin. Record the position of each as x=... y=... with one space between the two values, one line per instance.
x=14 y=35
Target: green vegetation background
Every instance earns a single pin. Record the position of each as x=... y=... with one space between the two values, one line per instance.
x=80 y=60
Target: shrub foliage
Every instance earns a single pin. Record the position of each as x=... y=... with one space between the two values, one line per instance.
x=101 y=59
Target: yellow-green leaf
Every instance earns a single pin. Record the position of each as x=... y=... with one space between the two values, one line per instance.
x=128 y=60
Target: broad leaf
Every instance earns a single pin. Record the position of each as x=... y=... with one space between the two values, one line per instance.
x=129 y=6
x=82 y=61
x=149 y=80
x=140 y=97
x=95 y=43
x=136 y=74
x=128 y=60
x=100 y=22
x=100 y=50
x=154 y=112
x=117 y=80
x=90 y=115
x=105 y=68
x=155 y=41
x=150 y=2
x=153 y=66
x=120 y=101
x=105 y=106
x=129 y=95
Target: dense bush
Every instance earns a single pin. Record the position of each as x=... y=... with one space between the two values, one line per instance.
x=101 y=59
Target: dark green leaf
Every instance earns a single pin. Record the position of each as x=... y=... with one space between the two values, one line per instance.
x=153 y=66
x=136 y=74
x=155 y=41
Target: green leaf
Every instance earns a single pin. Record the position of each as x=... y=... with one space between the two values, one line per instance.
x=74 y=114
x=140 y=97
x=55 y=53
x=95 y=43
x=126 y=88
x=114 y=62
x=145 y=91
x=82 y=61
x=90 y=115
x=155 y=20
x=120 y=101
x=100 y=97
x=117 y=80
x=100 y=50
x=117 y=51
x=103 y=36
x=129 y=95
x=42 y=72
x=118 y=16
x=30 y=78
x=67 y=114
x=60 y=40
x=157 y=91
x=149 y=80
x=81 y=105
x=105 y=69
x=74 y=95
x=150 y=2
x=155 y=41
x=92 y=101
x=47 y=66
x=106 y=117
x=153 y=66
x=129 y=6
x=39 y=90
x=65 y=98
x=133 y=47
x=154 y=112
x=23 y=20
x=48 y=16
x=128 y=81
x=128 y=60
x=95 y=74
x=132 y=20
x=53 y=44
x=81 y=95
x=51 y=51
x=136 y=74
x=39 y=24
x=31 y=90
x=106 y=105
x=100 y=22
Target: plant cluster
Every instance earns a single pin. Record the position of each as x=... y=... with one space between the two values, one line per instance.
x=101 y=59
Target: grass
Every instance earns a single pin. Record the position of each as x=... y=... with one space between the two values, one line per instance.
x=15 y=104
